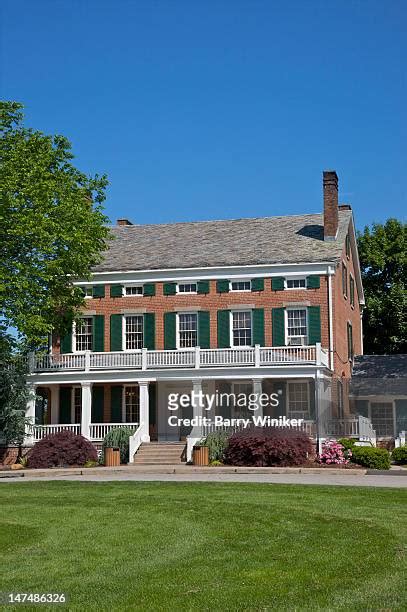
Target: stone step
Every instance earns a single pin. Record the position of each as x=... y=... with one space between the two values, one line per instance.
x=157 y=453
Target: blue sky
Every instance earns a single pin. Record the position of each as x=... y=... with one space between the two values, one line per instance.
x=217 y=108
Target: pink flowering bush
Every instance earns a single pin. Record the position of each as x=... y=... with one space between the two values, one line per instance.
x=334 y=453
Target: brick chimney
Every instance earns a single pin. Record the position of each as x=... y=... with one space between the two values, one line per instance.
x=123 y=222
x=330 y=185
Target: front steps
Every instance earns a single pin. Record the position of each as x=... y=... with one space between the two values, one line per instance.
x=160 y=453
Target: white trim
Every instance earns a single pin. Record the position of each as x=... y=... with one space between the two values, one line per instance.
x=128 y=285
x=209 y=273
x=178 y=292
x=330 y=316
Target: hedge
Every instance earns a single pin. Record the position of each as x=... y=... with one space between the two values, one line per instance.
x=371 y=457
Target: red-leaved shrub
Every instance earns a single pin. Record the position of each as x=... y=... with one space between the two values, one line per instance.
x=61 y=449
x=268 y=446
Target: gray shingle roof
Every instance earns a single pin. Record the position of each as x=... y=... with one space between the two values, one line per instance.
x=268 y=240
x=379 y=375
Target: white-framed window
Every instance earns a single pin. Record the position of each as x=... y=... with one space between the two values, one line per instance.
x=187 y=288
x=133 y=328
x=240 y=285
x=131 y=290
x=241 y=332
x=296 y=326
x=295 y=283
x=239 y=389
x=131 y=404
x=344 y=280
x=298 y=399
x=87 y=292
x=187 y=329
x=383 y=418
x=76 y=405
x=83 y=335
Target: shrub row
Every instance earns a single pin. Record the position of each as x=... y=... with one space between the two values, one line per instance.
x=371 y=457
x=399 y=455
x=268 y=446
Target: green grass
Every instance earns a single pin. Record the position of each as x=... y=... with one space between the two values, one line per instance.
x=199 y=546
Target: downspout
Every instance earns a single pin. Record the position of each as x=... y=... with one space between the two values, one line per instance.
x=330 y=318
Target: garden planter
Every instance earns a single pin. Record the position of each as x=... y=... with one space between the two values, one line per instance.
x=112 y=456
x=200 y=455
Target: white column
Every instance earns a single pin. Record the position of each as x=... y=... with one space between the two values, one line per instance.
x=86 y=409
x=258 y=390
x=197 y=407
x=144 y=411
x=30 y=414
x=54 y=404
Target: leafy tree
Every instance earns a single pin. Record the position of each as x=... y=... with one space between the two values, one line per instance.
x=13 y=391
x=383 y=258
x=52 y=228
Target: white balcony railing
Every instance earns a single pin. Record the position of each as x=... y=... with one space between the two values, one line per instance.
x=193 y=358
x=97 y=430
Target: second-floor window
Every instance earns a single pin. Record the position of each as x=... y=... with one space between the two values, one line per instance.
x=295 y=283
x=240 y=285
x=350 y=341
x=242 y=328
x=187 y=330
x=296 y=326
x=133 y=332
x=351 y=290
x=84 y=335
x=344 y=280
x=133 y=290
x=187 y=288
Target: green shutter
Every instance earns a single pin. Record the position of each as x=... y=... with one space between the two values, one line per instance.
x=223 y=328
x=314 y=324
x=277 y=283
x=66 y=343
x=116 y=395
x=99 y=333
x=65 y=404
x=258 y=284
x=278 y=326
x=98 y=404
x=258 y=326
x=116 y=290
x=204 y=329
x=170 y=288
x=149 y=331
x=149 y=289
x=222 y=286
x=203 y=286
x=116 y=332
x=98 y=291
x=170 y=333
x=152 y=403
x=313 y=282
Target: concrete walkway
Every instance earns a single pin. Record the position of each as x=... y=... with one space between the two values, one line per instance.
x=183 y=473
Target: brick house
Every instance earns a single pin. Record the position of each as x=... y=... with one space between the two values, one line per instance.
x=260 y=304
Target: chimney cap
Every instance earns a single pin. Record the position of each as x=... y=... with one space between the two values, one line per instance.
x=345 y=206
x=123 y=222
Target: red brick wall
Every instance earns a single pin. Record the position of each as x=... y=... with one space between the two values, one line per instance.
x=212 y=302
x=342 y=313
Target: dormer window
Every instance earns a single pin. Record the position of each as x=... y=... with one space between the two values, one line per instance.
x=241 y=285
x=295 y=283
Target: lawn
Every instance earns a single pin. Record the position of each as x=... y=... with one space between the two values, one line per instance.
x=185 y=546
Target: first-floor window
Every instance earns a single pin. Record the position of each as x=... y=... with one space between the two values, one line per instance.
x=240 y=389
x=298 y=400
x=134 y=332
x=242 y=285
x=242 y=328
x=77 y=404
x=297 y=326
x=84 y=334
x=187 y=330
x=132 y=404
x=382 y=418
x=295 y=283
